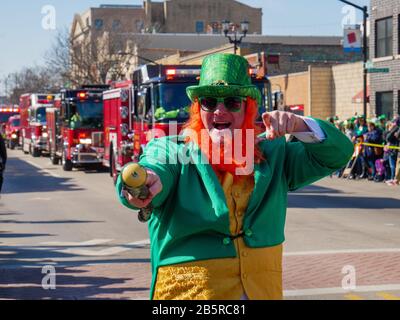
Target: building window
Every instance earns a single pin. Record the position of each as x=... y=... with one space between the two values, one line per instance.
x=199 y=26
x=384 y=37
x=384 y=104
x=116 y=25
x=98 y=24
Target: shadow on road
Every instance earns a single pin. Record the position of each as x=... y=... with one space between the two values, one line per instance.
x=71 y=284
x=7 y=234
x=76 y=277
x=49 y=222
x=21 y=177
x=316 y=189
x=314 y=201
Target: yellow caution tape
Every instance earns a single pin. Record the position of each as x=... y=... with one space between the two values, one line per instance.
x=377 y=145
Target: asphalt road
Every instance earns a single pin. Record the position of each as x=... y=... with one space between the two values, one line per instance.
x=342 y=238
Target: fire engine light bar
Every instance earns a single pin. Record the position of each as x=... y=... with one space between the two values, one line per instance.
x=171 y=72
x=9 y=109
x=182 y=72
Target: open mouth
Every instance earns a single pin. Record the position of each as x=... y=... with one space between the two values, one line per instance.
x=221 y=125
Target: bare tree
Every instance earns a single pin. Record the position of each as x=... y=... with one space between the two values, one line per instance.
x=92 y=57
x=30 y=80
x=58 y=58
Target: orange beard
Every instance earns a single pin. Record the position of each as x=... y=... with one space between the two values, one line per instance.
x=227 y=162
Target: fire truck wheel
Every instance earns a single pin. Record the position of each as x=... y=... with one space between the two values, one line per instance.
x=66 y=164
x=35 y=152
x=54 y=159
x=11 y=145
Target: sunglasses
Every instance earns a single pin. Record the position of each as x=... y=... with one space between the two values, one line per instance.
x=232 y=104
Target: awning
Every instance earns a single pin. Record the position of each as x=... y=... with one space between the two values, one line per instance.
x=359 y=97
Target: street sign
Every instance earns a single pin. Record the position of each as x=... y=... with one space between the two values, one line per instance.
x=369 y=64
x=378 y=70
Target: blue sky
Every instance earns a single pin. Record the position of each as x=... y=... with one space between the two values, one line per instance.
x=23 y=41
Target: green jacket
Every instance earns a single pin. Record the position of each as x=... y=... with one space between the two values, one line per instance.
x=190 y=220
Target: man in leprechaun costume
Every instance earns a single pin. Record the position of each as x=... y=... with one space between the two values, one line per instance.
x=217 y=227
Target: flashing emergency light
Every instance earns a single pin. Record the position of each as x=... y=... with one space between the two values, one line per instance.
x=171 y=72
x=82 y=95
x=82 y=135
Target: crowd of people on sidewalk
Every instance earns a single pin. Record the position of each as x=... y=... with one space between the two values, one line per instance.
x=376 y=148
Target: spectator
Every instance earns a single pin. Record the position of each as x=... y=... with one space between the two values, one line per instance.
x=392 y=138
x=374 y=136
x=349 y=129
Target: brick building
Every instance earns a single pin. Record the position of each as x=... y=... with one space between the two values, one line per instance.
x=323 y=91
x=169 y=16
x=199 y=16
x=385 y=53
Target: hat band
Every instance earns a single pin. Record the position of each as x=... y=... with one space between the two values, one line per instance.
x=224 y=83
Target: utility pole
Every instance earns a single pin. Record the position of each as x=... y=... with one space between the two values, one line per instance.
x=364 y=9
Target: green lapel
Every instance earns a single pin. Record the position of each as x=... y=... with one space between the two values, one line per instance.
x=210 y=180
x=262 y=179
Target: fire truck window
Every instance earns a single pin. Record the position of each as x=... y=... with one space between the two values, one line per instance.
x=41 y=115
x=171 y=102
x=86 y=114
x=141 y=104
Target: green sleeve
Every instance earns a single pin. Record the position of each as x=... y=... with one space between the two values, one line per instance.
x=160 y=155
x=306 y=163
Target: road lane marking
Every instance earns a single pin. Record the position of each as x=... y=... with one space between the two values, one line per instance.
x=146 y=242
x=339 y=290
x=353 y=297
x=141 y=242
x=307 y=253
x=96 y=253
x=387 y=296
x=42 y=169
x=77 y=244
x=108 y=251
x=39 y=199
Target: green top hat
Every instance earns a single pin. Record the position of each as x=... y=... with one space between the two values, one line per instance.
x=224 y=75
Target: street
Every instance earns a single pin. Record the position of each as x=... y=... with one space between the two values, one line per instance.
x=336 y=230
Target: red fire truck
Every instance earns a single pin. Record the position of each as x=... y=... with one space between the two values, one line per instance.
x=133 y=110
x=33 y=136
x=13 y=127
x=76 y=127
x=5 y=113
